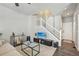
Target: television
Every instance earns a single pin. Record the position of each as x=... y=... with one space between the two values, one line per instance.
x=40 y=35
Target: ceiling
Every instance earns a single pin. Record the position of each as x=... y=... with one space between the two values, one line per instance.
x=30 y=9
x=69 y=10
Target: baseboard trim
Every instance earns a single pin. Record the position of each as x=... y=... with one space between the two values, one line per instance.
x=76 y=48
x=66 y=40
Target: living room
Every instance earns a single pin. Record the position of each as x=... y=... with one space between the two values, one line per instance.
x=32 y=25
x=17 y=22
x=12 y=20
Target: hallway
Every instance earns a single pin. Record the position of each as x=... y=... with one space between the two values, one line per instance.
x=67 y=49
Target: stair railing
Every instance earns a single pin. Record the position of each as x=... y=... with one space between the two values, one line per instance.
x=57 y=33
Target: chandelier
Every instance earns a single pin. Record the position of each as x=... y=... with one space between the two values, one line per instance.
x=45 y=13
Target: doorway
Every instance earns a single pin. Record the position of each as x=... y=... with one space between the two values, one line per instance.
x=67 y=29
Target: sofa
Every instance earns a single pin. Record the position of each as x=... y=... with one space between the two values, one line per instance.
x=6 y=49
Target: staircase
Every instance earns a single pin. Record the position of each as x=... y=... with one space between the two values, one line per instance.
x=52 y=33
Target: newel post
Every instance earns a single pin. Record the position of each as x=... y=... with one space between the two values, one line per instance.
x=60 y=39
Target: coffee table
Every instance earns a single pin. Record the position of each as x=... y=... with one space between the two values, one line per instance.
x=31 y=46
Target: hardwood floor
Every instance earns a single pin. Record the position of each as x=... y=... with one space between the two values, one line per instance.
x=67 y=49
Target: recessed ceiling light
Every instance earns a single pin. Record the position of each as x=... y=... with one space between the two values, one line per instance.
x=65 y=8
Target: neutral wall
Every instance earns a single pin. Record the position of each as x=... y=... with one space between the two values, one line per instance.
x=77 y=40
x=11 y=21
x=54 y=21
x=57 y=22
x=76 y=28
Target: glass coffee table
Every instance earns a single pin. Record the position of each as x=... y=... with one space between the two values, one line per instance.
x=32 y=46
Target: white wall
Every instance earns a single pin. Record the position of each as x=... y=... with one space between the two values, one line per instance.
x=57 y=21
x=54 y=21
x=50 y=20
x=76 y=28
x=11 y=21
x=77 y=32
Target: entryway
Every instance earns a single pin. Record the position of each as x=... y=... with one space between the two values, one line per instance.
x=66 y=50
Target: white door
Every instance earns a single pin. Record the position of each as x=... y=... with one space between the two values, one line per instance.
x=67 y=28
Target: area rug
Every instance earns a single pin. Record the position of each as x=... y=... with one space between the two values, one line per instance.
x=44 y=50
